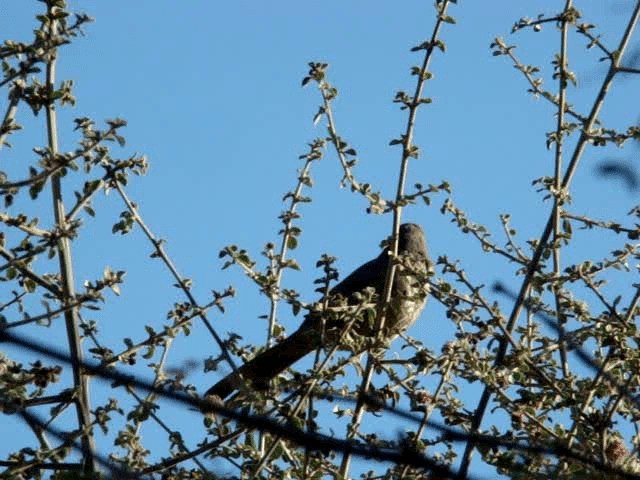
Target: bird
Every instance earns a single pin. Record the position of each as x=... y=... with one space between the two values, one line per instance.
x=325 y=328
x=620 y=170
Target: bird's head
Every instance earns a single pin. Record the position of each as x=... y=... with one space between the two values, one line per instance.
x=411 y=239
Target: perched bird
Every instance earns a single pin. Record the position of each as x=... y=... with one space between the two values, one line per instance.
x=408 y=298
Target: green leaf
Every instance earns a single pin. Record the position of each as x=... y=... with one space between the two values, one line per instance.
x=149 y=353
x=12 y=273
x=29 y=285
x=440 y=44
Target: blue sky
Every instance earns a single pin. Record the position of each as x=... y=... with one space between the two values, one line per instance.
x=212 y=95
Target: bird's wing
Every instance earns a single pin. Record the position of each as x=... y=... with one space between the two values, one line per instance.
x=370 y=274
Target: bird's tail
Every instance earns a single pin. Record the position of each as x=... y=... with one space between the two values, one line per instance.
x=258 y=371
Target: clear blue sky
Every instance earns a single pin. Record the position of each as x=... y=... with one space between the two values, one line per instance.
x=211 y=91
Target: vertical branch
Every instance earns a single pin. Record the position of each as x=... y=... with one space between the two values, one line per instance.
x=433 y=401
x=288 y=235
x=80 y=380
x=583 y=140
x=559 y=193
x=409 y=150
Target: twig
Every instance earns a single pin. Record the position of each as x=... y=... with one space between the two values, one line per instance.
x=80 y=379
x=590 y=223
x=21 y=224
x=409 y=150
x=9 y=117
x=50 y=314
x=628 y=70
x=153 y=339
x=86 y=198
x=504 y=219
x=19 y=264
x=480 y=233
x=287 y=235
x=535 y=83
x=17 y=297
x=178 y=459
x=181 y=282
x=559 y=194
